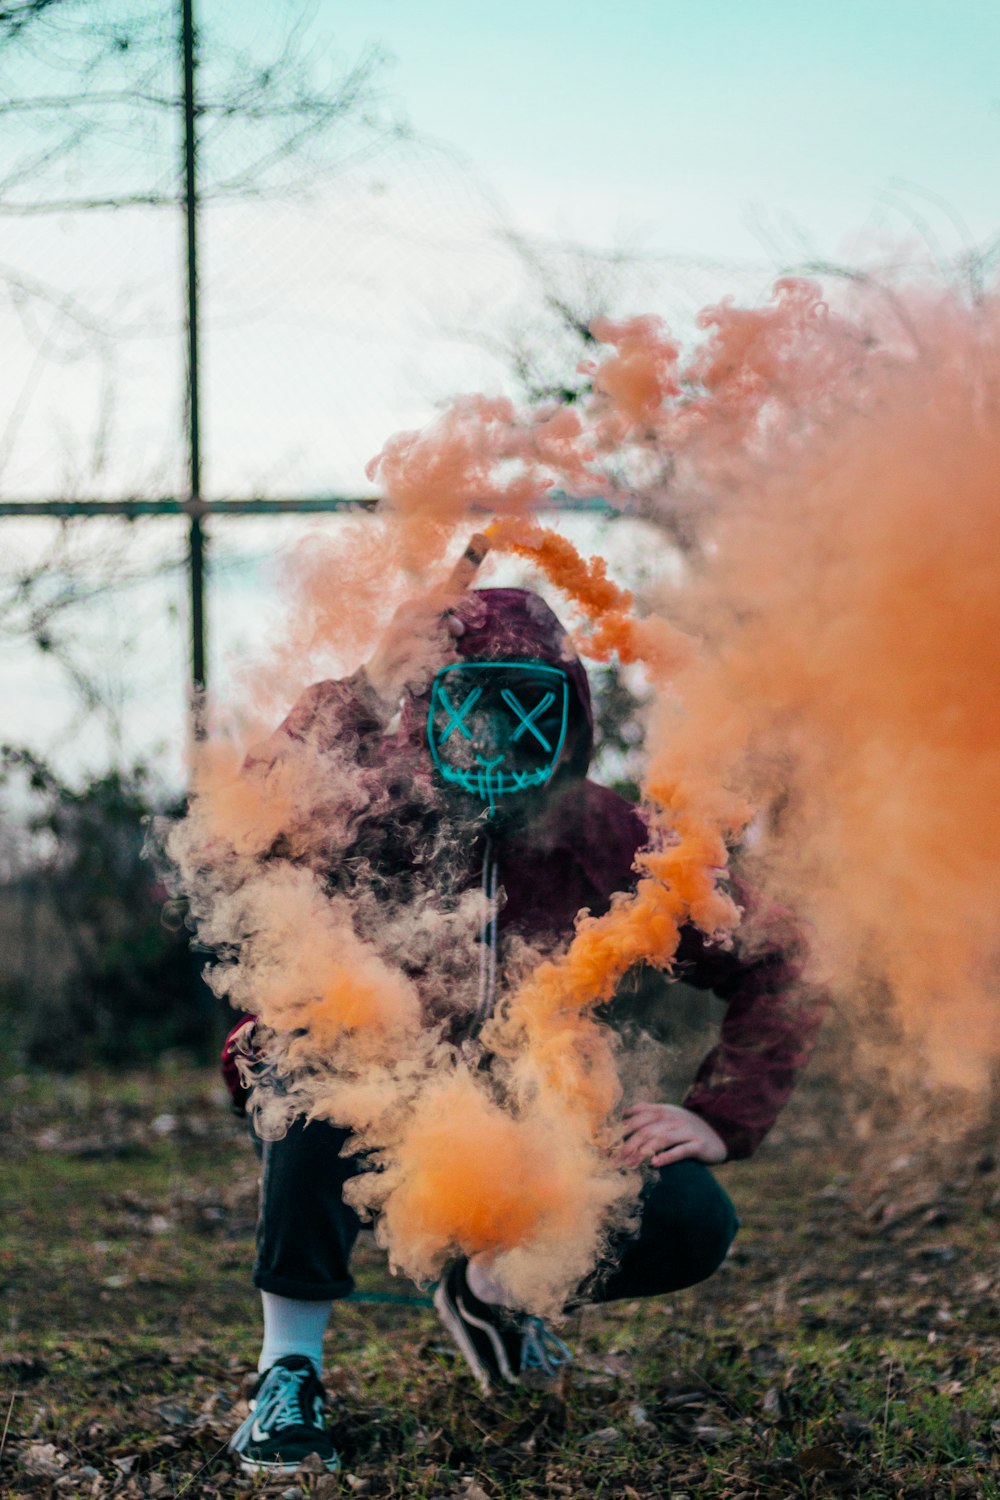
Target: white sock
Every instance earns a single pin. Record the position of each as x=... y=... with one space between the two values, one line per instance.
x=484 y=1285
x=293 y=1327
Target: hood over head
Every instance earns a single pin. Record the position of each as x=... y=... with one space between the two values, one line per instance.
x=517 y=625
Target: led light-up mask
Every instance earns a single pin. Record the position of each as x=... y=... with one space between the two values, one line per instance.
x=496 y=728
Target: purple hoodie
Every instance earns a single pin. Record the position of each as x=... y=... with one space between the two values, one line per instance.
x=576 y=852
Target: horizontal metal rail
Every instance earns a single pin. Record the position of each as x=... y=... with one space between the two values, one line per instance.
x=132 y=510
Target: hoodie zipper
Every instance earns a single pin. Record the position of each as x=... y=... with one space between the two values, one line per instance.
x=487 y=936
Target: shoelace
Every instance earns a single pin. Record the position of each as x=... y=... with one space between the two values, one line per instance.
x=280 y=1401
x=541 y=1349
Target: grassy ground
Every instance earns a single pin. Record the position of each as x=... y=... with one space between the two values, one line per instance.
x=848 y=1347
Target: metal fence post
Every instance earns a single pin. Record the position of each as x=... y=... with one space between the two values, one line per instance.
x=196 y=534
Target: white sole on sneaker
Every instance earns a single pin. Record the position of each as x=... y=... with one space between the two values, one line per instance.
x=270 y=1466
x=257 y=1466
x=455 y=1325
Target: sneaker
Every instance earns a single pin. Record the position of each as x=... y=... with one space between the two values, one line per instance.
x=498 y=1345
x=286 y=1421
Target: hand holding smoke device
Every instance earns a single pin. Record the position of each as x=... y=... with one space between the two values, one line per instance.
x=468 y=564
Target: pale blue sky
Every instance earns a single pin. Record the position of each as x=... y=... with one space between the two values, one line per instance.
x=679 y=119
x=734 y=138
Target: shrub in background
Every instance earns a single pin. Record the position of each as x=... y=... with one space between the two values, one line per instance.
x=95 y=968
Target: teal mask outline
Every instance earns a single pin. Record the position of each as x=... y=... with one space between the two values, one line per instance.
x=489 y=781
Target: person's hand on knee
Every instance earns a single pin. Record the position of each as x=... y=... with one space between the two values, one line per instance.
x=663 y=1133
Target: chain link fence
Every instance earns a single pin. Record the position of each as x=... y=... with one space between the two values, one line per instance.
x=352 y=276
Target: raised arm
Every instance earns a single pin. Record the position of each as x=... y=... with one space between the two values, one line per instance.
x=355 y=710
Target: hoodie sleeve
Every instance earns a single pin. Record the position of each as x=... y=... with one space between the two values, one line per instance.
x=766 y=1037
x=331 y=713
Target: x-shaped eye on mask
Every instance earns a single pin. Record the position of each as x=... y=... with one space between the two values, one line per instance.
x=497 y=728
x=456 y=716
x=528 y=720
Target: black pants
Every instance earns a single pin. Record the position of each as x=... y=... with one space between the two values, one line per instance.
x=305 y=1232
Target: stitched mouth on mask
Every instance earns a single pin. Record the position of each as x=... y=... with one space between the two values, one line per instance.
x=488 y=782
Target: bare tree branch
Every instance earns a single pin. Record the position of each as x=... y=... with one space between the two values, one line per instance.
x=268 y=126
x=13 y=18
x=111 y=98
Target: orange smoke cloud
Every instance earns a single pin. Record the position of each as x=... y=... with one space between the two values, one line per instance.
x=637 y=378
x=529 y=1188
x=534 y=1183
x=547 y=1028
x=527 y=1171
x=480 y=453
x=304 y=969
x=852 y=606
x=838 y=468
x=826 y=662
